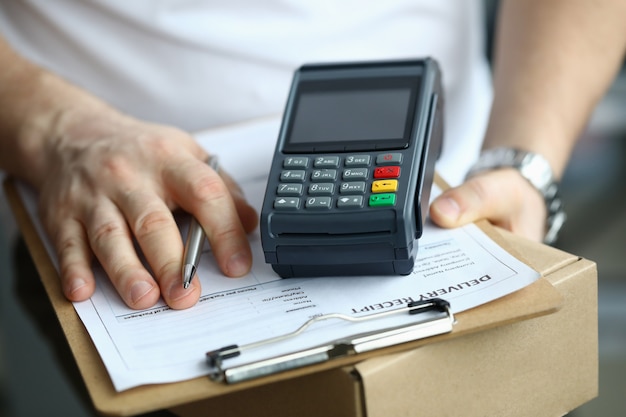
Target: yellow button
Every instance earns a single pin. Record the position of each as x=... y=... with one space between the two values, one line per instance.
x=384 y=186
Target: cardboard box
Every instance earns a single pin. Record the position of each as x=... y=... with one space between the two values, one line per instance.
x=545 y=366
x=497 y=362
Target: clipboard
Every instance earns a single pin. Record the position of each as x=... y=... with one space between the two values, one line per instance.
x=439 y=320
x=539 y=298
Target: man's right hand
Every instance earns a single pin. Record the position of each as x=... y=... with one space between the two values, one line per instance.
x=109 y=181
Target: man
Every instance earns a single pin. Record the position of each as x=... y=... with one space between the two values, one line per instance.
x=106 y=176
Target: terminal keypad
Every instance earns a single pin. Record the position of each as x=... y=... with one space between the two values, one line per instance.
x=357 y=181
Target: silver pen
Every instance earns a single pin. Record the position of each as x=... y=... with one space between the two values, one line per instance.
x=195 y=241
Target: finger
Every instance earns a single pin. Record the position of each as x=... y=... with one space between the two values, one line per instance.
x=74 y=254
x=247 y=214
x=501 y=196
x=458 y=206
x=201 y=191
x=156 y=231
x=111 y=243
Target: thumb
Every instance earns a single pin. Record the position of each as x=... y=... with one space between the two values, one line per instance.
x=500 y=196
x=459 y=205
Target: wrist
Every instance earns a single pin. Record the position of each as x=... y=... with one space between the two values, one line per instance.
x=50 y=119
x=537 y=171
x=28 y=113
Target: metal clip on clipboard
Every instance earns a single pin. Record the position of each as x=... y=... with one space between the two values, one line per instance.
x=365 y=342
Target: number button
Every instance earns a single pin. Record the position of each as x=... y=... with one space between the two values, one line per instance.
x=292 y=176
x=322 y=188
x=355 y=174
x=324 y=175
x=356 y=187
x=357 y=160
x=326 y=162
x=289 y=189
x=318 y=203
x=296 y=162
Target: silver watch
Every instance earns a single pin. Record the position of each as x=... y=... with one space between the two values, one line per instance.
x=536 y=169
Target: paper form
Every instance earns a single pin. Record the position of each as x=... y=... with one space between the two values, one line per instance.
x=160 y=345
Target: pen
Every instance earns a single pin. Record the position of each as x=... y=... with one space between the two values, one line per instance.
x=195 y=240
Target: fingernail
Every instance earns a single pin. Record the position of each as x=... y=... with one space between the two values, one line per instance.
x=177 y=291
x=139 y=290
x=448 y=207
x=76 y=285
x=237 y=265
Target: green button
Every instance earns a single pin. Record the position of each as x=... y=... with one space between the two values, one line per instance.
x=382 y=200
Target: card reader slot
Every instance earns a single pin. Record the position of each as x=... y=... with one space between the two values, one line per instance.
x=324 y=255
x=327 y=235
x=366 y=222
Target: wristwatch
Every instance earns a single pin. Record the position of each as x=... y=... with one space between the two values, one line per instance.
x=536 y=169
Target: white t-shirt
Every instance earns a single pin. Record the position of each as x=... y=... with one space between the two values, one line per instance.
x=199 y=64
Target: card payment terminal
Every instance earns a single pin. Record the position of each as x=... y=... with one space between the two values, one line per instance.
x=350 y=181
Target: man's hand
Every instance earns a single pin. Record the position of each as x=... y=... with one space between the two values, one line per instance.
x=112 y=182
x=502 y=196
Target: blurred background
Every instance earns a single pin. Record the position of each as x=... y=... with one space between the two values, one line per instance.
x=594 y=192
x=34 y=382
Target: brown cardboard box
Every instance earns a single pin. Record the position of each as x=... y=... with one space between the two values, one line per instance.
x=516 y=365
x=545 y=366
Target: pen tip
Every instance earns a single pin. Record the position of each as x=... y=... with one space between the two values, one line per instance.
x=188 y=273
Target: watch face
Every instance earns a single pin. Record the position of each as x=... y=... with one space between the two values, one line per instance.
x=537 y=170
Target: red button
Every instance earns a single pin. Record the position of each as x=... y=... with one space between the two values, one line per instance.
x=387 y=172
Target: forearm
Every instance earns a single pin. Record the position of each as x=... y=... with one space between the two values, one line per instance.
x=554 y=60
x=35 y=106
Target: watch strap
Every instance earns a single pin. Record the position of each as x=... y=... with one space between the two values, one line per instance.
x=537 y=171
